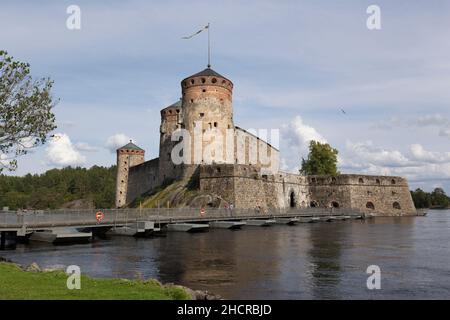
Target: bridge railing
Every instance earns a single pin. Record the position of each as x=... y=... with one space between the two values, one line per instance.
x=87 y=217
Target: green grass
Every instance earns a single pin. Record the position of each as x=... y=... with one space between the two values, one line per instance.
x=18 y=284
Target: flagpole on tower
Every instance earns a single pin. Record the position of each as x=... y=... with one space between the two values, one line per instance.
x=209 y=48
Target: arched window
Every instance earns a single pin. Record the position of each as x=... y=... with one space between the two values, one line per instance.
x=333 y=179
x=361 y=181
x=335 y=204
x=392 y=181
x=378 y=181
x=370 y=205
x=396 y=205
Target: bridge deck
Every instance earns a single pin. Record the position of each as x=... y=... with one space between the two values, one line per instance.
x=42 y=219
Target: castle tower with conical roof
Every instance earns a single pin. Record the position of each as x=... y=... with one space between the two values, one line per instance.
x=207 y=104
x=128 y=156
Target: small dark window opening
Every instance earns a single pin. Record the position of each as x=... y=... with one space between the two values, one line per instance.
x=370 y=205
x=396 y=205
x=335 y=204
x=215 y=124
x=361 y=180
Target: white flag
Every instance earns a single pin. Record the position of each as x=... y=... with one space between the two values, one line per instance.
x=199 y=31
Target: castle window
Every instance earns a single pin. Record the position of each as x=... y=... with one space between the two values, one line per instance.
x=170 y=111
x=192 y=100
x=333 y=179
x=178 y=110
x=313 y=204
x=203 y=80
x=392 y=181
x=378 y=181
x=313 y=180
x=122 y=181
x=204 y=90
x=215 y=124
x=192 y=81
x=214 y=80
x=184 y=83
x=218 y=170
x=125 y=162
x=369 y=205
x=224 y=82
x=209 y=124
x=361 y=181
x=335 y=204
x=202 y=114
x=120 y=192
x=396 y=205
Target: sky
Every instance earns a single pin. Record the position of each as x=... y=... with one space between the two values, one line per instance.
x=295 y=66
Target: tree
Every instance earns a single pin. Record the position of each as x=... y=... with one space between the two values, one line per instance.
x=322 y=160
x=26 y=105
x=439 y=198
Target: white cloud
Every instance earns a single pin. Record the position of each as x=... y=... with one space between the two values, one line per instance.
x=83 y=146
x=444 y=132
x=373 y=155
x=295 y=138
x=300 y=134
x=61 y=152
x=419 y=153
x=116 y=141
x=432 y=120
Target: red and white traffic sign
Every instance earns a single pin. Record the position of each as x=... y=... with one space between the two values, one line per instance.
x=99 y=216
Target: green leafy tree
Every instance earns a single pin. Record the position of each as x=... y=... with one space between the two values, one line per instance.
x=26 y=105
x=57 y=187
x=322 y=160
x=439 y=198
x=421 y=198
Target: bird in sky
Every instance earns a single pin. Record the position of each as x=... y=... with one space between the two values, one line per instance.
x=343 y=111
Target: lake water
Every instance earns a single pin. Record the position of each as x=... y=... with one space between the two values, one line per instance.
x=306 y=261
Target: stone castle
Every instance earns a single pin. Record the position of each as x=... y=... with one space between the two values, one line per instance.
x=238 y=167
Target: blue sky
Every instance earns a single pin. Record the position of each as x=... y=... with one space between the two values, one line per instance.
x=294 y=65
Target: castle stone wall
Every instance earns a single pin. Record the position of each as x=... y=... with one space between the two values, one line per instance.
x=142 y=178
x=246 y=187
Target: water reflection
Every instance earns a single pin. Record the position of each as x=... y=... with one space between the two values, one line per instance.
x=312 y=261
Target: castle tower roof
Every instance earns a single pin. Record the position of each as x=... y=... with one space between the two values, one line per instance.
x=208 y=72
x=130 y=146
x=207 y=77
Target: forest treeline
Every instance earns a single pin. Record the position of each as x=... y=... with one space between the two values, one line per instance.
x=55 y=188
x=435 y=199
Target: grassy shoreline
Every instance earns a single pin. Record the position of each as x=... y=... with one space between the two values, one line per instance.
x=18 y=284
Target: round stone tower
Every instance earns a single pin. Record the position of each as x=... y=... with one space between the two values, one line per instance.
x=207 y=104
x=170 y=121
x=128 y=156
